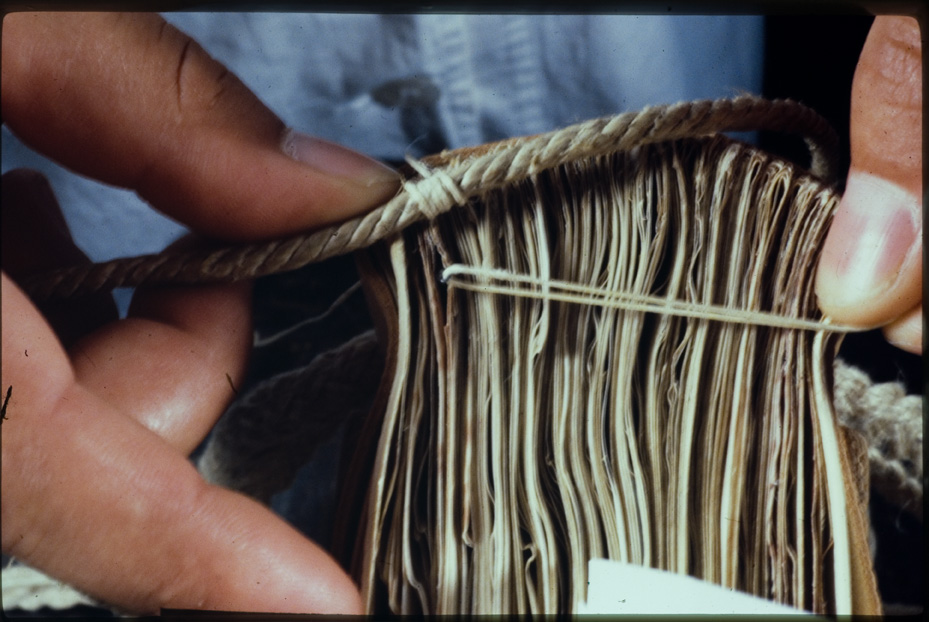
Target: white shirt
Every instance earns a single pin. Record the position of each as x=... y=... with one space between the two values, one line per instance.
x=388 y=85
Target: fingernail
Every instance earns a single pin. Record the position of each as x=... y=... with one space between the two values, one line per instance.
x=875 y=229
x=335 y=159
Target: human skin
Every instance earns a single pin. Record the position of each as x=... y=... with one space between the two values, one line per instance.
x=97 y=488
x=870 y=273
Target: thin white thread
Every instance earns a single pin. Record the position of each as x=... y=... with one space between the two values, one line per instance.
x=583 y=294
x=433 y=190
x=259 y=342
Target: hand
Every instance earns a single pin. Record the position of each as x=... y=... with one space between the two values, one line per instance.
x=871 y=269
x=97 y=490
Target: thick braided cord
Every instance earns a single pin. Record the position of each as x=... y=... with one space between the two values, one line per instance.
x=471 y=172
x=892 y=424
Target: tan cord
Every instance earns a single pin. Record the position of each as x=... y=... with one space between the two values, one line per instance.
x=890 y=420
x=264 y=438
x=464 y=173
x=892 y=424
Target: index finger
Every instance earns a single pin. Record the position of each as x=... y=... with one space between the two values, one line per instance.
x=132 y=101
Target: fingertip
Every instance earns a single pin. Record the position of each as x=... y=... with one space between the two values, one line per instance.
x=334 y=159
x=360 y=182
x=178 y=128
x=906 y=333
x=870 y=267
x=120 y=515
x=269 y=566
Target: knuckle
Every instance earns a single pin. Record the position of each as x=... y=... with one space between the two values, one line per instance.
x=201 y=83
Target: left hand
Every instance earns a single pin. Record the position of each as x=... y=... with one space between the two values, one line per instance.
x=98 y=490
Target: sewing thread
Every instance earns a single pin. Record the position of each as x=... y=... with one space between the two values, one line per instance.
x=565 y=291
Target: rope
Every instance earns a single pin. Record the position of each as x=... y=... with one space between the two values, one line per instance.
x=238 y=452
x=892 y=424
x=450 y=178
x=454 y=176
x=27 y=589
x=261 y=442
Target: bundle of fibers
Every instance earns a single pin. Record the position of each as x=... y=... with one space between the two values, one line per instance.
x=580 y=367
x=600 y=343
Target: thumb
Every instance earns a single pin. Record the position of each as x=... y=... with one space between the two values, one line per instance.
x=94 y=497
x=870 y=273
x=131 y=101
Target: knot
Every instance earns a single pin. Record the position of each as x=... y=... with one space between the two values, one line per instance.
x=436 y=192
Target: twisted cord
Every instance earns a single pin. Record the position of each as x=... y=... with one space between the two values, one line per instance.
x=261 y=442
x=458 y=174
x=892 y=424
x=28 y=589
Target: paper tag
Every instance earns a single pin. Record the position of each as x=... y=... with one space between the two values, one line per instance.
x=619 y=588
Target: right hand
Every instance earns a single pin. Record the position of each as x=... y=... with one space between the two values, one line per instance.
x=871 y=269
